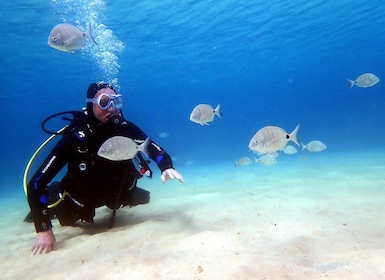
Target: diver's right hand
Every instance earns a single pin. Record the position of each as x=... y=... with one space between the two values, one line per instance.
x=44 y=242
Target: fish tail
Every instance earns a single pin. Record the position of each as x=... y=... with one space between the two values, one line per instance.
x=352 y=83
x=89 y=34
x=143 y=147
x=235 y=164
x=303 y=146
x=217 y=111
x=256 y=160
x=293 y=136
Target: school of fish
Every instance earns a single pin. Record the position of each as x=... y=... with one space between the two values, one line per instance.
x=267 y=142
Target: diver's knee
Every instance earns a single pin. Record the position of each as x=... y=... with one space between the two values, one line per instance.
x=136 y=196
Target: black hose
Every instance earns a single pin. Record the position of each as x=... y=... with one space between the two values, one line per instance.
x=76 y=116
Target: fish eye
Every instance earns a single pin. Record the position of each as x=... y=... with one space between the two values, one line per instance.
x=54 y=39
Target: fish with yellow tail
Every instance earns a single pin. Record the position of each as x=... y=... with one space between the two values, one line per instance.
x=270 y=139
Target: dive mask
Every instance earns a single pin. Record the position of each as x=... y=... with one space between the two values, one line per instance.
x=108 y=102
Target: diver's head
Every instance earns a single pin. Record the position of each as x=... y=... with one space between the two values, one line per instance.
x=103 y=102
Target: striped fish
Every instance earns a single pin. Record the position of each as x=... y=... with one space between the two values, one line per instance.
x=272 y=138
x=122 y=148
x=204 y=113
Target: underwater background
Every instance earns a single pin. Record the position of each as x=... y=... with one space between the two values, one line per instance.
x=272 y=62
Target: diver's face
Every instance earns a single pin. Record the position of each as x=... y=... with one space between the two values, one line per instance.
x=102 y=115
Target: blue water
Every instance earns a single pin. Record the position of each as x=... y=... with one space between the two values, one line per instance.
x=267 y=62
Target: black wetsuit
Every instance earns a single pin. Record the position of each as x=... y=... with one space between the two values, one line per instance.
x=90 y=181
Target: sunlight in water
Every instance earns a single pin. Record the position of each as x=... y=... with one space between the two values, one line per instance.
x=81 y=13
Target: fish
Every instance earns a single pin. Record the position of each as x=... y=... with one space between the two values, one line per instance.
x=314 y=146
x=190 y=162
x=274 y=154
x=267 y=159
x=243 y=161
x=68 y=38
x=119 y=148
x=204 y=113
x=290 y=150
x=272 y=138
x=365 y=80
x=164 y=134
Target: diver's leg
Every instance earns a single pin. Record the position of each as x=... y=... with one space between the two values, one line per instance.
x=135 y=197
x=68 y=210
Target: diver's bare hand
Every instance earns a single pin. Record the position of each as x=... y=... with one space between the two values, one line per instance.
x=44 y=242
x=171 y=173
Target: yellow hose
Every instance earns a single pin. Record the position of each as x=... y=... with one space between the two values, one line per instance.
x=33 y=158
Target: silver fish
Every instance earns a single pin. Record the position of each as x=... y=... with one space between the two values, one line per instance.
x=314 y=146
x=68 y=38
x=365 y=80
x=290 y=150
x=204 y=113
x=164 y=134
x=243 y=161
x=121 y=148
x=271 y=139
x=267 y=159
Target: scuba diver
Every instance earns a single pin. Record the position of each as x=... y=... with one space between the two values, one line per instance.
x=102 y=151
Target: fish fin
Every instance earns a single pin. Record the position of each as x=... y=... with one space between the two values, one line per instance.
x=144 y=146
x=352 y=83
x=293 y=136
x=70 y=51
x=89 y=34
x=256 y=160
x=217 y=111
x=70 y=41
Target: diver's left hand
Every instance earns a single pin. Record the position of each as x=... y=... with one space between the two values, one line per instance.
x=171 y=173
x=44 y=242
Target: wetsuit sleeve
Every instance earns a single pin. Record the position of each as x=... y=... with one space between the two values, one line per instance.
x=154 y=151
x=37 y=187
x=160 y=156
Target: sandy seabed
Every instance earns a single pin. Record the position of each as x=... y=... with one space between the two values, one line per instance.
x=312 y=217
